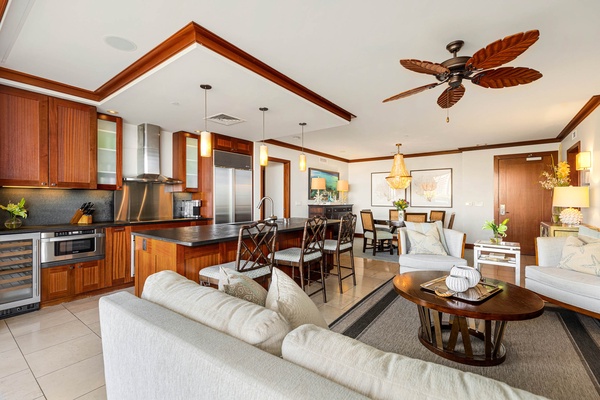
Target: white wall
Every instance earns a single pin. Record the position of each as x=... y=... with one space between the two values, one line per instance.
x=588 y=132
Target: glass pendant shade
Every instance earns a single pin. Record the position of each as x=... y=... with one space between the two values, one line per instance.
x=302 y=163
x=399 y=177
x=205 y=144
x=264 y=155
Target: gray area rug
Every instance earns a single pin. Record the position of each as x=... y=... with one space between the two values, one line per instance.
x=556 y=355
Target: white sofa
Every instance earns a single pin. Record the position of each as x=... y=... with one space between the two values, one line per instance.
x=571 y=289
x=151 y=352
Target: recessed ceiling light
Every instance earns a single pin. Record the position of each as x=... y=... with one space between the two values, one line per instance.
x=112 y=111
x=198 y=131
x=120 y=43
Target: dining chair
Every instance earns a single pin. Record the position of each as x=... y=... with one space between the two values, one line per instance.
x=451 y=222
x=309 y=253
x=437 y=215
x=393 y=214
x=254 y=255
x=415 y=217
x=343 y=244
x=374 y=238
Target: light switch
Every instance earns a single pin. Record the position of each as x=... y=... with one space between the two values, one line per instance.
x=479 y=204
x=468 y=203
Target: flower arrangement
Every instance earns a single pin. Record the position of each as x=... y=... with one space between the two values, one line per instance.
x=498 y=229
x=558 y=177
x=15 y=210
x=400 y=204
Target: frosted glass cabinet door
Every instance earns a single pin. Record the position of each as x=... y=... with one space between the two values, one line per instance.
x=109 y=152
x=191 y=162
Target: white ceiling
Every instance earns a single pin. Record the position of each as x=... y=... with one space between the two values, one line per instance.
x=346 y=51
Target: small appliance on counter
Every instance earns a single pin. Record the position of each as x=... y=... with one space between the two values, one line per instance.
x=191 y=208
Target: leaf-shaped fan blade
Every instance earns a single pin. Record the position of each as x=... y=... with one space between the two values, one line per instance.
x=503 y=50
x=411 y=92
x=450 y=96
x=506 y=77
x=424 y=67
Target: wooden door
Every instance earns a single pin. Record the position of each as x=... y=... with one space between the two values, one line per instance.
x=519 y=193
x=285 y=188
x=73 y=142
x=23 y=138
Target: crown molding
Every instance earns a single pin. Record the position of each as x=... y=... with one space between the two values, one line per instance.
x=586 y=110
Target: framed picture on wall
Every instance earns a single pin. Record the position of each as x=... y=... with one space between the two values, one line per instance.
x=381 y=193
x=331 y=180
x=431 y=188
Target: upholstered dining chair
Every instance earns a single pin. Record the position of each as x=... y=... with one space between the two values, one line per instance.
x=373 y=237
x=437 y=215
x=415 y=217
x=343 y=244
x=254 y=256
x=451 y=222
x=309 y=253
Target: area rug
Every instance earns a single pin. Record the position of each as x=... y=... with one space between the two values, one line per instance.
x=556 y=355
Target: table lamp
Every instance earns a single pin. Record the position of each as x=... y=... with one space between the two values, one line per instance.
x=571 y=196
x=318 y=184
x=342 y=187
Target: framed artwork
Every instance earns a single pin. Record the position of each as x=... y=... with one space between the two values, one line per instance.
x=381 y=193
x=431 y=188
x=331 y=180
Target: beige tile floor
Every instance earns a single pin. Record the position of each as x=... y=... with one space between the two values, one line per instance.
x=56 y=353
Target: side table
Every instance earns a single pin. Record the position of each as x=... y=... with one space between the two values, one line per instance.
x=506 y=254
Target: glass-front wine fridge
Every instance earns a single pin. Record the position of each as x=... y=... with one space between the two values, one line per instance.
x=19 y=274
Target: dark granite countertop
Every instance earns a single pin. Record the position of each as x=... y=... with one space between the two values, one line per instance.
x=202 y=235
x=47 y=228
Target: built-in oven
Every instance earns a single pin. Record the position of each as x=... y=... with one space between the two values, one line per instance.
x=70 y=246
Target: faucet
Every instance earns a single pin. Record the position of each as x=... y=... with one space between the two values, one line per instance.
x=260 y=203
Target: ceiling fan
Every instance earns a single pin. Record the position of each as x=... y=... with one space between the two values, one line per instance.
x=477 y=68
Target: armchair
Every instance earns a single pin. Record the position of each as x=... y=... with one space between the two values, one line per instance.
x=455 y=246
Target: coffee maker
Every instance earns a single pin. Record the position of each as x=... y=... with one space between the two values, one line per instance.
x=191 y=208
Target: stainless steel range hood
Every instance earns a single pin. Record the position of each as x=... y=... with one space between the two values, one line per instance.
x=148 y=157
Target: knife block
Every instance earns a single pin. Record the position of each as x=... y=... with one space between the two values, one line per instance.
x=85 y=219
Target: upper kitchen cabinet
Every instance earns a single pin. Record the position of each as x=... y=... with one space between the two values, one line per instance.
x=46 y=142
x=186 y=153
x=110 y=152
x=234 y=145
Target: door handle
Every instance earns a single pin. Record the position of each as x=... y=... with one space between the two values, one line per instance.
x=503 y=209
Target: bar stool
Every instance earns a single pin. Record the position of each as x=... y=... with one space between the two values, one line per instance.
x=343 y=244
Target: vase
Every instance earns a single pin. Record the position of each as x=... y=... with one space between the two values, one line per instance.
x=496 y=239
x=472 y=275
x=457 y=283
x=13 y=222
x=400 y=215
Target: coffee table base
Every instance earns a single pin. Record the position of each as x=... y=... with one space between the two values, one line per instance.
x=430 y=335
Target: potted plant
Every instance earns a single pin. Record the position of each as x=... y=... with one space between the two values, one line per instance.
x=15 y=210
x=560 y=175
x=498 y=229
x=400 y=205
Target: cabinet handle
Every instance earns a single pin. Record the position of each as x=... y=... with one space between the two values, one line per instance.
x=119 y=229
x=53 y=184
x=44 y=183
x=71 y=267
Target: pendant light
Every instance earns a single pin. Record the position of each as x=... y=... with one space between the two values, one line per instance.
x=399 y=177
x=302 y=159
x=264 y=153
x=205 y=135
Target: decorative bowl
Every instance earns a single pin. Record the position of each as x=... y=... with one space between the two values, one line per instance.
x=472 y=275
x=457 y=283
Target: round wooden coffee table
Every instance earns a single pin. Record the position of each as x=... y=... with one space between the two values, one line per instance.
x=512 y=303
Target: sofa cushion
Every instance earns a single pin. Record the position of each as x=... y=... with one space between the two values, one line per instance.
x=288 y=299
x=239 y=285
x=239 y=318
x=565 y=280
x=425 y=243
x=381 y=375
x=430 y=262
x=424 y=227
x=580 y=256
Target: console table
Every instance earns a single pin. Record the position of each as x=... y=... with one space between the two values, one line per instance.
x=330 y=211
x=549 y=229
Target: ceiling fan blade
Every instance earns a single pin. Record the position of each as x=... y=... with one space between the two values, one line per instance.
x=503 y=50
x=411 y=92
x=424 y=67
x=451 y=96
x=506 y=77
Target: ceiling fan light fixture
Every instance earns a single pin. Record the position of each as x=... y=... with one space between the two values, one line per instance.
x=399 y=177
x=205 y=135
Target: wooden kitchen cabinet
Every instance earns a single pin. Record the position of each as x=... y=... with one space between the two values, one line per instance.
x=110 y=152
x=118 y=255
x=63 y=282
x=234 y=145
x=186 y=156
x=46 y=142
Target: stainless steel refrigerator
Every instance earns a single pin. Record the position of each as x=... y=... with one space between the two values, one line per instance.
x=232 y=187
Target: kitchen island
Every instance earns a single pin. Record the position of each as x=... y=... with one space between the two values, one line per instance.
x=189 y=249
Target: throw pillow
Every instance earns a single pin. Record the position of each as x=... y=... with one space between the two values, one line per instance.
x=580 y=256
x=425 y=227
x=289 y=300
x=425 y=243
x=239 y=285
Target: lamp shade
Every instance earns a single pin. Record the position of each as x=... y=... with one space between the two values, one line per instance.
x=571 y=196
x=302 y=163
x=263 y=155
x=583 y=160
x=342 y=186
x=205 y=144
x=317 y=184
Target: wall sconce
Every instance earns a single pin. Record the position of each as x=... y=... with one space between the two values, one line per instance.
x=571 y=196
x=583 y=162
x=318 y=184
x=342 y=188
